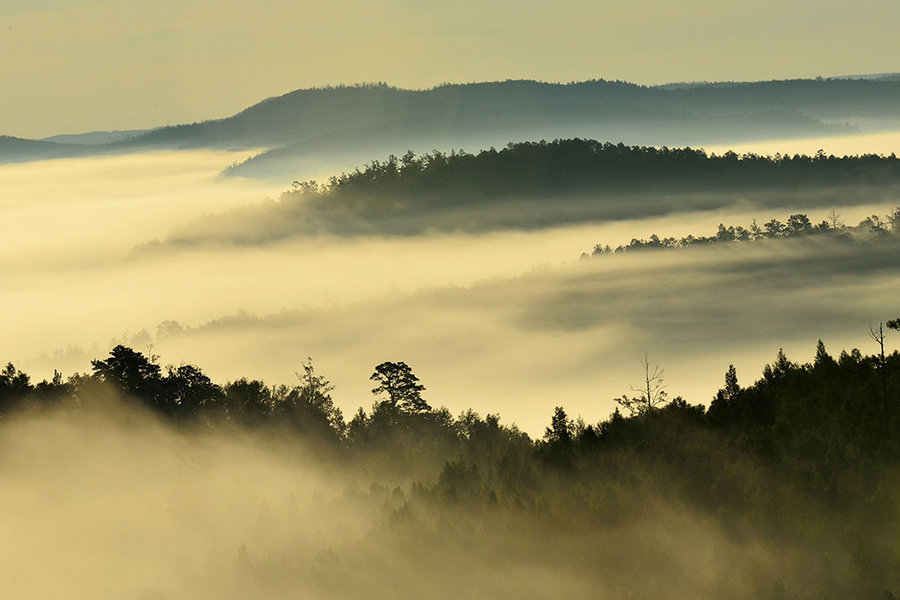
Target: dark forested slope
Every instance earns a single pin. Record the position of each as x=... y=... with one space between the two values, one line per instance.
x=790 y=481
x=532 y=185
x=14 y=149
x=379 y=118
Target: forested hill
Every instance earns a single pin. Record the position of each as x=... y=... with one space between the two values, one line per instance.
x=798 y=225
x=13 y=149
x=532 y=185
x=310 y=114
x=797 y=468
x=378 y=118
x=574 y=165
x=362 y=119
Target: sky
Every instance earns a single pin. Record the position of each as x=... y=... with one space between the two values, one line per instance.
x=68 y=66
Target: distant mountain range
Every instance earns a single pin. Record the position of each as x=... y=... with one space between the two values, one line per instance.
x=95 y=138
x=355 y=121
x=13 y=149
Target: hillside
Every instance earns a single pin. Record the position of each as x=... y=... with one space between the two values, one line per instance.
x=362 y=119
x=307 y=115
x=797 y=468
x=381 y=118
x=869 y=230
x=545 y=184
x=95 y=138
x=14 y=149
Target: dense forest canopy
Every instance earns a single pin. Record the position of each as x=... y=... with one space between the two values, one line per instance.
x=564 y=166
x=803 y=459
x=533 y=185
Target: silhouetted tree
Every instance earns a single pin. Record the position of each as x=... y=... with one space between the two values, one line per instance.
x=248 y=401
x=781 y=367
x=652 y=393
x=14 y=385
x=731 y=389
x=875 y=225
x=798 y=223
x=358 y=427
x=561 y=428
x=822 y=358
x=132 y=373
x=402 y=387
x=187 y=390
x=893 y=219
x=558 y=447
x=878 y=336
x=309 y=406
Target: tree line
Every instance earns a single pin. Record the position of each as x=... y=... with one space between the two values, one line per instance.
x=581 y=165
x=796 y=225
x=804 y=457
x=815 y=399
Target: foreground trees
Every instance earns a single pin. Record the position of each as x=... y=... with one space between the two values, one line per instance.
x=832 y=407
x=801 y=462
x=821 y=417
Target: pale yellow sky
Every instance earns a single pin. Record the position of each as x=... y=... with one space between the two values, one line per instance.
x=77 y=65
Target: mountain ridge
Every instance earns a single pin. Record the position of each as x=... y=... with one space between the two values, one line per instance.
x=366 y=117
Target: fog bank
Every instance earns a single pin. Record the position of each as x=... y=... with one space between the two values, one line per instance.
x=504 y=321
x=105 y=503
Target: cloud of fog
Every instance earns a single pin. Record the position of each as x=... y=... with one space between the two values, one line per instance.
x=108 y=504
x=303 y=217
x=504 y=321
x=71 y=209
x=574 y=334
x=105 y=503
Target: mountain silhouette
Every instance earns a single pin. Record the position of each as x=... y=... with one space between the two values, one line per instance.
x=362 y=118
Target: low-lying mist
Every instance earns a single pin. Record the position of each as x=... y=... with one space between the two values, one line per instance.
x=574 y=334
x=104 y=501
x=540 y=185
x=91 y=210
x=504 y=321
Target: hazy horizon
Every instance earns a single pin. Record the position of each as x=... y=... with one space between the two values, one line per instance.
x=142 y=124
x=134 y=65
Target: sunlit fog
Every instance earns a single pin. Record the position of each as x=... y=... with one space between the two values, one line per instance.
x=278 y=355
x=506 y=321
